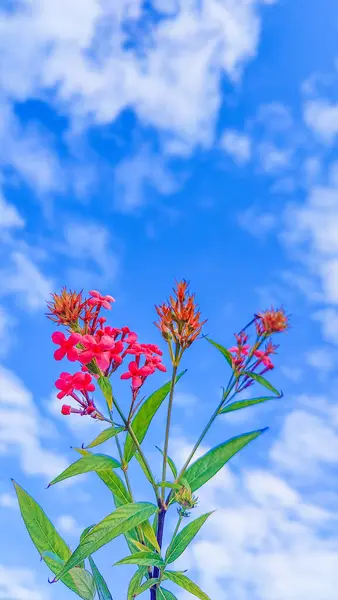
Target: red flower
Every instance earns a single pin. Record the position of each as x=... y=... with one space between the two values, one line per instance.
x=136 y=374
x=67 y=346
x=271 y=321
x=98 y=349
x=66 y=410
x=67 y=383
x=100 y=301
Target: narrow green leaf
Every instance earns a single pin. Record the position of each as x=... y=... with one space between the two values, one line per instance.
x=105 y=435
x=93 y=462
x=150 y=535
x=263 y=382
x=186 y=583
x=183 y=539
x=142 y=465
x=107 y=390
x=170 y=462
x=169 y=484
x=135 y=582
x=140 y=546
x=84 y=582
x=145 y=559
x=223 y=351
x=163 y=594
x=118 y=522
x=101 y=586
x=116 y=485
x=145 y=415
x=210 y=463
x=50 y=545
x=244 y=404
x=85 y=531
x=146 y=586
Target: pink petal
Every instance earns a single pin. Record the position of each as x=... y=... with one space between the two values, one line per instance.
x=126 y=376
x=136 y=382
x=95 y=294
x=58 y=337
x=86 y=356
x=72 y=354
x=74 y=338
x=60 y=353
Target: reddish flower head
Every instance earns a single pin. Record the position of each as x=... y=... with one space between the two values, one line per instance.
x=271 y=321
x=136 y=374
x=98 y=349
x=65 y=308
x=67 y=346
x=100 y=301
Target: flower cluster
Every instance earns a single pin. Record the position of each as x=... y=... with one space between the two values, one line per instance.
x=179 y=320
x=186 y=501
x=100 y=349
x=248 y=359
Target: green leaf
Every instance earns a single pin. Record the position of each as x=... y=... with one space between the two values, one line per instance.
x=169 y=484
x=116 y=485
x=145 y=415
x=93 y=462
x=245 y=403
x=105 y=435
x=210 y=463
x=146 y=586
x=135 y=582
x=150 y=535
x=183 y=539
x=263 y=382
x=118 y=522
x=143 y=559
x=101 y=586
x=50 y=545
x=85 y=531
x=223 y=351
x=163 y=594
x=186 y=583
x=107 y=390
x=170 y=462
x=142 y=465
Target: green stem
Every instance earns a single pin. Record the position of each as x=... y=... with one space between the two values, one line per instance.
x=167 y=429
x=138 y=447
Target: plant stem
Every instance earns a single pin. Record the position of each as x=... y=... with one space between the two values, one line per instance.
x=138 y=447
x=167 y=429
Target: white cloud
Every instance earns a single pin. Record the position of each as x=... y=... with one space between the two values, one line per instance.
x=9 y=216
x=23 y=279
x=8 y=501
x=322 y=117
x=273 y=160
x=257 y=222
x=180 y=58
x=322 y=359
x=20 y=584
x=67 y=524
x=328 y=317
x=293 y=373
x=23 y=430
x=238 y=145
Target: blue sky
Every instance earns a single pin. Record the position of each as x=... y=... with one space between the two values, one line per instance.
x=147 y=141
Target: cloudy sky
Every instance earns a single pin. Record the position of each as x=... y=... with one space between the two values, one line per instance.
x=143 y=141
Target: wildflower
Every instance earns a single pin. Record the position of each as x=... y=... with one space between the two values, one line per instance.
x=67 y=383
x=179 y=320
x=136 y=374
x=271 y=321
x=100 y=301
x=67 y=346
x=65 y=308
x=96 y=348
x=240 y=351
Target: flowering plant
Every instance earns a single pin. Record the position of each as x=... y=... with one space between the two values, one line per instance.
x=100 y=352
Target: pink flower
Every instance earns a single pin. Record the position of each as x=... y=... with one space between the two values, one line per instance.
x=67 y=346
x=100 y=301
x=136 y=374
x=67 y=383
x=66 y=410
x=98 y=349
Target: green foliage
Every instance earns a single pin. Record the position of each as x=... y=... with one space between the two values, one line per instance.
x=142 y=559
x=186 y=583
x=50 y=545
x=208 y=465
x=118 y=522
x=107 y=391
x=246 y=403
x=170 y=462
x=105 y=435
x=92 y=462
x=222 y=350
x=101 y=586
x=135 y=582
x=263 y=382
x=182 y=540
